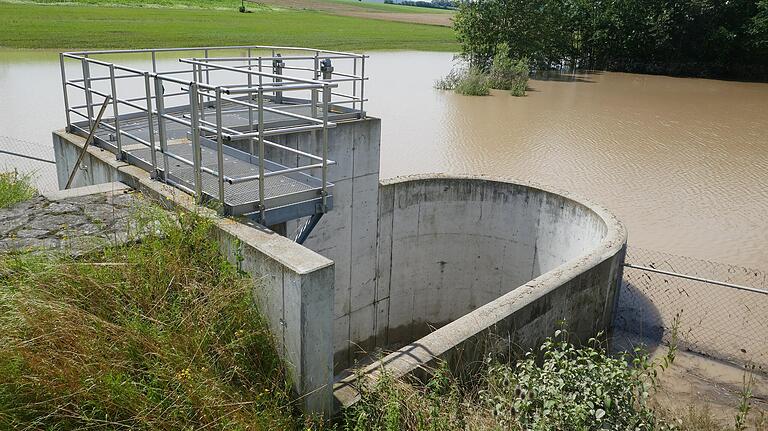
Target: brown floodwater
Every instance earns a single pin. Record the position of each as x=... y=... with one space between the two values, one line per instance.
x=682 y=162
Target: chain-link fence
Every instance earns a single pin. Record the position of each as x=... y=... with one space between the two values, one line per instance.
x=721 y=310
x=29 y=158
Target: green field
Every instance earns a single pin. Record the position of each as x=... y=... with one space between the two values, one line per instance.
x=57 y=26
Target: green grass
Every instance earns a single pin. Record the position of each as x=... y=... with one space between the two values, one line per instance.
x=91 y=27
x=14 y=188
x=158 y=334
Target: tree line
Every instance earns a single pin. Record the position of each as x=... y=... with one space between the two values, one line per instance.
x=707 y=38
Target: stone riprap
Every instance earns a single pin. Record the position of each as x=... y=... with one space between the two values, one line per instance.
x=73 y=222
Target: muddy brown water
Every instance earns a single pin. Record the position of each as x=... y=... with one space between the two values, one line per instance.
x=683 y=162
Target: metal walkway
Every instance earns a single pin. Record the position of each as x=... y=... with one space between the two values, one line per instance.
x=211 y=126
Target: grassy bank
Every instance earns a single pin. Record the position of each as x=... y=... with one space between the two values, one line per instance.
x=57 y=26
x=159 y=334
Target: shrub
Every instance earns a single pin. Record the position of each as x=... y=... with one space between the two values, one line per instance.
x=450 y=81
x=508 y=74
x=558 y=387
x=14 y=188
x=573 y=389
x=473 y=83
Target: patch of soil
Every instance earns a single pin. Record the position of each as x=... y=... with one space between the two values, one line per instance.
x=441 y=19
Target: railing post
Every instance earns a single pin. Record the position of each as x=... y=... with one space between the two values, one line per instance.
x=66 y=95
x=118 y=136
x=196 y=156
x=88 y=95
x=314 y=90
x=250 y=100
x=150 y=124
x=362 y=86
x=354 y=84
x=326 y=102
x=220 y=148
x=262 y=208
x=161 y=131
x=277 y=69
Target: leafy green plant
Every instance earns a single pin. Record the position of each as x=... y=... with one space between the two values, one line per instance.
x=15 y=188
x=507 y=73
x=572 y=389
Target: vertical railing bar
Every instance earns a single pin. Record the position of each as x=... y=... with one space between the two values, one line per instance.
x=196 y=156
x=87 y=86
x=354 y=83
x=250 y=100
x=66 y=93
x=326 y=101
x=154 y=62
x=362 y=86
x=220 y=149
x=161 y=131
x=314 y=90
x=150 y=124
x=118 y=135
x=261 y=155
x=207 y=71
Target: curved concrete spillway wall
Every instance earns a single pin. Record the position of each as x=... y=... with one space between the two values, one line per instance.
x=473 y=255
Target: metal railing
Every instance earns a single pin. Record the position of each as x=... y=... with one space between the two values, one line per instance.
x=221 y=100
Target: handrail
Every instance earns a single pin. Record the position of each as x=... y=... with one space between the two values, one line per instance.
x=211 y=113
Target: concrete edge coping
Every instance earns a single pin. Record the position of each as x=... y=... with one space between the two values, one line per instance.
x=293 y=256
x=58 y=195
x=422 y=351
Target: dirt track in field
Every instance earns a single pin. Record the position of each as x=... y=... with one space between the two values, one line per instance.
x=441 y=19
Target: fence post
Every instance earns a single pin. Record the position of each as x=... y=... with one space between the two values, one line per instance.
x=261 y=155
x=87 y=87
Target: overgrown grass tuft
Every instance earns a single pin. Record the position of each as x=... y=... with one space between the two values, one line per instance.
x=158 y=334
x=15 y=188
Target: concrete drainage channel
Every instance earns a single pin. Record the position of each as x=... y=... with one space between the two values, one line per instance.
x=390 y=261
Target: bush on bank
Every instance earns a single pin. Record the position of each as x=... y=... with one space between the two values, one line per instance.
x=559 y=387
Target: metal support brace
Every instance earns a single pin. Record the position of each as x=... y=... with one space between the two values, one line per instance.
x=308 y=227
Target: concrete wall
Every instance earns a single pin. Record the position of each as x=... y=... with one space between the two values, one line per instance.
x=477 y=257
x=293 y=285
x=347 y=234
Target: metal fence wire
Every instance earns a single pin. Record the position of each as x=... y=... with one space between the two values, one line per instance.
x=722 y=310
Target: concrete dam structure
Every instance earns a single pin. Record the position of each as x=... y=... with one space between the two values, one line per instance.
x=344 y=264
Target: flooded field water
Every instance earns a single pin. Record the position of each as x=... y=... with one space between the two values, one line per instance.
x=683 y=162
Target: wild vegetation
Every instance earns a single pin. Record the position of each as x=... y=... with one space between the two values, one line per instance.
x=557 y=387
x=691 y=37
x=157 y=334
x=14 y=188
x=504 y=73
